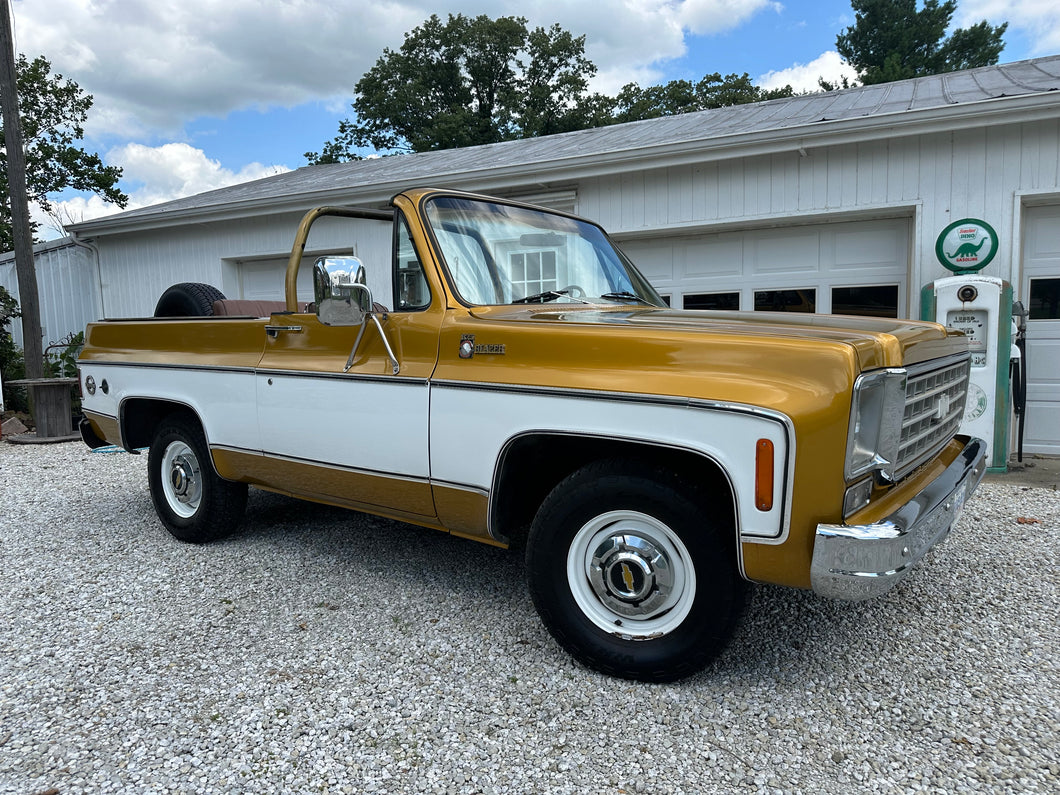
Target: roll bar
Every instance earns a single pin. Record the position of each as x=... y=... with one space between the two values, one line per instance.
x=300 y=238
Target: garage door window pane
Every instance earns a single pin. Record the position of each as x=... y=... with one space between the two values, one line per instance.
x=785 y=300
x=1045 y=299
x=532 y=272
x=712 y=301
x=875 y=300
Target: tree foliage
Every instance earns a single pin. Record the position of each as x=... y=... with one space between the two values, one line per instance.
x=893 y=40
x=469 y=81
x=12 y=363
x=683 y=96
x=53 y=111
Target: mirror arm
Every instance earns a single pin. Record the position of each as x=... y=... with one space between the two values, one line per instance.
x=395 y=367
x=356 y=345
x=386 y=344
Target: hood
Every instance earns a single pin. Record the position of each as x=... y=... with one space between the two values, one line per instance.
x=879 y=342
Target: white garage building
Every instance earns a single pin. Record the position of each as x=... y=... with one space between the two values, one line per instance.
x=827 y=203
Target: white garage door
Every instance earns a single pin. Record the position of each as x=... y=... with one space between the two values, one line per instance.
x=1040 y=292
x=853 y=267
x=263 y=280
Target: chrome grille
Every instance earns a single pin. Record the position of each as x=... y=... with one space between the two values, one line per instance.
x=935 y=394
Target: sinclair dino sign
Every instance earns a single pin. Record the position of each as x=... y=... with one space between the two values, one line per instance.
x=966 y=246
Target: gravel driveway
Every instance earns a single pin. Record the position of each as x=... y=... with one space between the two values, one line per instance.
x=327 y=651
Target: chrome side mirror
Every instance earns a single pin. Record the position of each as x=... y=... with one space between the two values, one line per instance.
x=342 y=297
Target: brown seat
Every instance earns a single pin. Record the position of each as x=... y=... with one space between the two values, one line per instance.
x=246 y=308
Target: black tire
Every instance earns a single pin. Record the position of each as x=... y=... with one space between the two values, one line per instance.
x=188 y=299
x=194 y=503
x=622 y=520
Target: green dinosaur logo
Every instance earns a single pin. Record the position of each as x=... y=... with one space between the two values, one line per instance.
x=967 y=250
x=966 y=246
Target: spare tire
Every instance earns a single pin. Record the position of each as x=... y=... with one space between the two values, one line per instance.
x=188 y=299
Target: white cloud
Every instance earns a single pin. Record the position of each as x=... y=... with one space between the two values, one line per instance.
x=155 y=65
x=804 y=77
x=152 y=66
x=175 y=170
x=1038 y=20
x=158 y=174
x=716 y=16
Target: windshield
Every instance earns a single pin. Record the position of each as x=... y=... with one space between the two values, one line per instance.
x=500 y=254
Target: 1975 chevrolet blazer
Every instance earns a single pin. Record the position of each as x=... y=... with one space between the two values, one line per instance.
x=530 y=385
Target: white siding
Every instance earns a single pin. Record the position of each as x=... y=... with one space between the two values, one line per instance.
x=67 y=288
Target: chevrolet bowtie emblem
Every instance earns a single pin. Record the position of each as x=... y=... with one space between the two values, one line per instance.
x=627 y=576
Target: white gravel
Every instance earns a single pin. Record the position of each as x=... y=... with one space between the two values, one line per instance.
x=327 y=651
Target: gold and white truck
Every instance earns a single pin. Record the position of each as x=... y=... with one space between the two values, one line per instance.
x=528 y=386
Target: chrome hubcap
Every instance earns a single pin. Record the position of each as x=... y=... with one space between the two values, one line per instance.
x=181 y=479
x=631 y=575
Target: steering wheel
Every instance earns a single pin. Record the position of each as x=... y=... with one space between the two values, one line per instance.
x=572 y=290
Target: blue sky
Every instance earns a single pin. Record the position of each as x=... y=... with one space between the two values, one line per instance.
x=200 y=94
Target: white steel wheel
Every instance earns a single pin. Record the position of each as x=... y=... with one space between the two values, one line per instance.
x=194 y=502
x=631 y=574
x=632 y=569
x=181 y=479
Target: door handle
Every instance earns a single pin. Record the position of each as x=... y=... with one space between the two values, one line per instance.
x=273 y=331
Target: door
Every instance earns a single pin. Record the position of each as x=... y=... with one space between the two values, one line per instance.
x=355 y=435
x=1040 y=293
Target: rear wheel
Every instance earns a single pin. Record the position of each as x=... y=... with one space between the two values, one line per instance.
x=192 y=500
x=630 y=573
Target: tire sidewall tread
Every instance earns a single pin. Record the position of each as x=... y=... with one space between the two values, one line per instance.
x=223 y=502
x=721 y=594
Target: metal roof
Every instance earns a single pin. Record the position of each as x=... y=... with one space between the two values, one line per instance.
x=944 y=97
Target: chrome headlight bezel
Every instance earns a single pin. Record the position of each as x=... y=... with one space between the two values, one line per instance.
x=874 y=435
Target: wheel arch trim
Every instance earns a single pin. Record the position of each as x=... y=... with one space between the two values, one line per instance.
x=512 y=441
x=126 y=400
x=618 y=423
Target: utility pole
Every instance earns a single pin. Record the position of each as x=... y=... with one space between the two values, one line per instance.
x=16 y=185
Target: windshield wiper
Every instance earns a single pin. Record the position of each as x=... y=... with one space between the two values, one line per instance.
x=540 y=298
x=624 y=295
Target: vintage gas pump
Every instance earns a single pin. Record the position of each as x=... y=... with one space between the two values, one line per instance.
x=981 y=307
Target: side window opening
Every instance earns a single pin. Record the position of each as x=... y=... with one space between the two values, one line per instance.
x=411 y=291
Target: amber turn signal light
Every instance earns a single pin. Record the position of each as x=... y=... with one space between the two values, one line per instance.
x=764 y=475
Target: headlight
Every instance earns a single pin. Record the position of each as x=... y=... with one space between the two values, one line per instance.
x=876 y=423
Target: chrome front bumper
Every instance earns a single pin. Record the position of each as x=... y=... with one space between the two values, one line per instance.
x=857 y=562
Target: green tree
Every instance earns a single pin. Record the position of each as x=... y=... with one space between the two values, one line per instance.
x=683 y=96
x=468 y=81
x=893 y=40
x=53 y=112
x=12 y=363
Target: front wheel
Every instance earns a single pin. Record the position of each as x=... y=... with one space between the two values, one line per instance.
x=194 y=502
x=630 y=573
